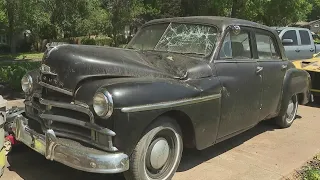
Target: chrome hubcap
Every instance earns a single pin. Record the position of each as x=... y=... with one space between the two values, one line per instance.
x=159 y=153
x=290 y=108
x=291 y=111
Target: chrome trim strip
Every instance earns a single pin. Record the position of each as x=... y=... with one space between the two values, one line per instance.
x=56 y=88
x=69 y=152
x=73 y=107
x=170 y=104
x=76 y=122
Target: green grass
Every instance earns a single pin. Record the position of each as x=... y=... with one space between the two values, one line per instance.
x=312 y=170
x=312 y=174
x=21 y=56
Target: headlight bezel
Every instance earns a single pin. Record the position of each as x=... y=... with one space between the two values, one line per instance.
x=109 y=103
x=28 y=77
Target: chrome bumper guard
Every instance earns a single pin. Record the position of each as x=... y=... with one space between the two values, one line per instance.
x=69 y=152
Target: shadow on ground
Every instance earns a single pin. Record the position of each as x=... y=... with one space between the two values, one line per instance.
x=32 y=166
x=8 y=93
x=314 y=104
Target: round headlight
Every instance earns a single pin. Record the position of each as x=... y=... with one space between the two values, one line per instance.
x=26 y=83
x=103 y=104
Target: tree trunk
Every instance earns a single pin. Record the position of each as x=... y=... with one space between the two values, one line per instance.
x=234 y=10
x=13 y=45
x=115 y=38
x=10 y=10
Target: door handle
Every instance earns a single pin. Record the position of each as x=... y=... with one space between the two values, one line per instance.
x=297 y=50
x=259 y=69
x=284 y=66
x=311 y=50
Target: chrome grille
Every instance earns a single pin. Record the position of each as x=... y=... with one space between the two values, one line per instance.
x=53 y=110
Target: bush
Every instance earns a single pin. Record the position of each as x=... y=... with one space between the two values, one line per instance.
x=12 y=72
x=88 y=41
x=103 y=41
x=85 y=40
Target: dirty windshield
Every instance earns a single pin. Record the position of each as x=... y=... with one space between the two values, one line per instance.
x=178 y=38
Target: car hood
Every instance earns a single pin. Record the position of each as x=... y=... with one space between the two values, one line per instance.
x=308 y=65
x=71 y=64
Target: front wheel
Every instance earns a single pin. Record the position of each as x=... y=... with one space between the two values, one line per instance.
x=287 y=119
x=158 y=153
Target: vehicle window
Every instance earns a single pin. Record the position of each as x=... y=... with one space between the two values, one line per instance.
x=305 y=37
x=177 y=38
x=291 y=34
x=236 y=46
x=150 y=36
x=266 y=47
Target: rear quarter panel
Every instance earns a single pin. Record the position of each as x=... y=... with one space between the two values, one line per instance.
x=296 y=81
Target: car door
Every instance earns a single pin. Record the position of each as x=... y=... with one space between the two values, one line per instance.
x=306 y=46
x=292 y=48
x=274 y=69
x=240 y=78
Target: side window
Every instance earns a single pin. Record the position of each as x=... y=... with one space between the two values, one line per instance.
x=291 y=34
x=305 y=37
x=266 y=47
x=236 y=46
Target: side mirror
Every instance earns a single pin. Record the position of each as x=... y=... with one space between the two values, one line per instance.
x=287 y=41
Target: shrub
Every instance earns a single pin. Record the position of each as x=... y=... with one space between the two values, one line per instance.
x=88 y=41
x=85 y=40
x=12 y=72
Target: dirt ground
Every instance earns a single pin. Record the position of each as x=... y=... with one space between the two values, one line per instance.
x=262 y=153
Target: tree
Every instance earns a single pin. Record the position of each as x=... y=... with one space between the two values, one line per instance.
x=96 y=22
x=21 y=15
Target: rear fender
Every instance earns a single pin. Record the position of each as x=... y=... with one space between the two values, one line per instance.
x=296 y=81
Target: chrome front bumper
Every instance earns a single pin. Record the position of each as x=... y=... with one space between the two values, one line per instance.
x=69 y=152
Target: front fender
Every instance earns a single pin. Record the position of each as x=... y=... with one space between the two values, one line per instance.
x=296 y=81
x=132 y=92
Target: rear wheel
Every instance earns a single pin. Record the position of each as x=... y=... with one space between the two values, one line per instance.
x=158 y=153
x=287 y=119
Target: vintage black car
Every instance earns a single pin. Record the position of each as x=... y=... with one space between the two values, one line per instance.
x=180 y=83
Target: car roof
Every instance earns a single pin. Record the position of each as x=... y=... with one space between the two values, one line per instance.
x=218 y=21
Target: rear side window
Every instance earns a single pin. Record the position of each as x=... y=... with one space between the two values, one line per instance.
x=305 y=37
x=266 y=47
x=236 y=46
x=291 y=34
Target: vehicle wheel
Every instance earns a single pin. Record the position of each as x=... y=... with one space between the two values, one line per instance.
x=287 y=119
x=158 y=153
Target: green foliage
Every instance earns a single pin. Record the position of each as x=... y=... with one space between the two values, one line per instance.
x=88 y=41
x=21 y=56
x=61 y=19
x=12 y=72
x=312 y=174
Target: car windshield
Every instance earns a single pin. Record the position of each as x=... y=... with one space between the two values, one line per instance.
x=177 y=38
